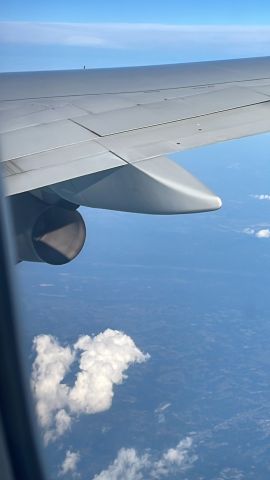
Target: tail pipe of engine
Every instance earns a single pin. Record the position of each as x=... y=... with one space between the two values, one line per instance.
x=46 y=233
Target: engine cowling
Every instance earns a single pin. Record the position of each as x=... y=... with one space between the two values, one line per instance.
x=46 y=233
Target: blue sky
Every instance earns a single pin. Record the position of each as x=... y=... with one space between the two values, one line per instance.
x=171 y=11
x=151 y=11
x=63 y=34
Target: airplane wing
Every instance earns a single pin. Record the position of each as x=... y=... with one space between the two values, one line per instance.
x=99 y=137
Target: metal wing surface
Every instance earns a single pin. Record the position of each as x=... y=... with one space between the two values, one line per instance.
x=98 y=137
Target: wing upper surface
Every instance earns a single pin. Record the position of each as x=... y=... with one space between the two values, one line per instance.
x=56 y=126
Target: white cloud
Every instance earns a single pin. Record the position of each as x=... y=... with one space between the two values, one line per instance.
x=127 y=465
x=249 y=231
x=231 y=474
x=49 y=369
x=162 y=407
x=102 y=359
x=70 y=462
x=175 y=458
x=138 y=35
x=161 y=412
x=62 y=424
x=132 y=466
x=264 y=196
x=264 y=233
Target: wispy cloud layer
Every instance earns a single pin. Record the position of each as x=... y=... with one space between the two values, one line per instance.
x=103 y=359
x=136 y=35
x=130 y=465
x=262 y=196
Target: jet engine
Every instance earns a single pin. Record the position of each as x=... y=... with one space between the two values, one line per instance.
x=53 y=234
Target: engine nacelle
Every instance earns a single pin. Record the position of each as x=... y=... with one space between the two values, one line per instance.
x=46 y=233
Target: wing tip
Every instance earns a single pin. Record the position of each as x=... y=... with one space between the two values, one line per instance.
x=217 y=203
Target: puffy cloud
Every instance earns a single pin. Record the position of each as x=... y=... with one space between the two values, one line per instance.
x=49 y=369
x=102 y=359
x=130 y=465
x=264 y=233
x=175 y=459
x=70 y=462
x=253 y=38
x=103 y=362
x=127 y=465
x=62 y=424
